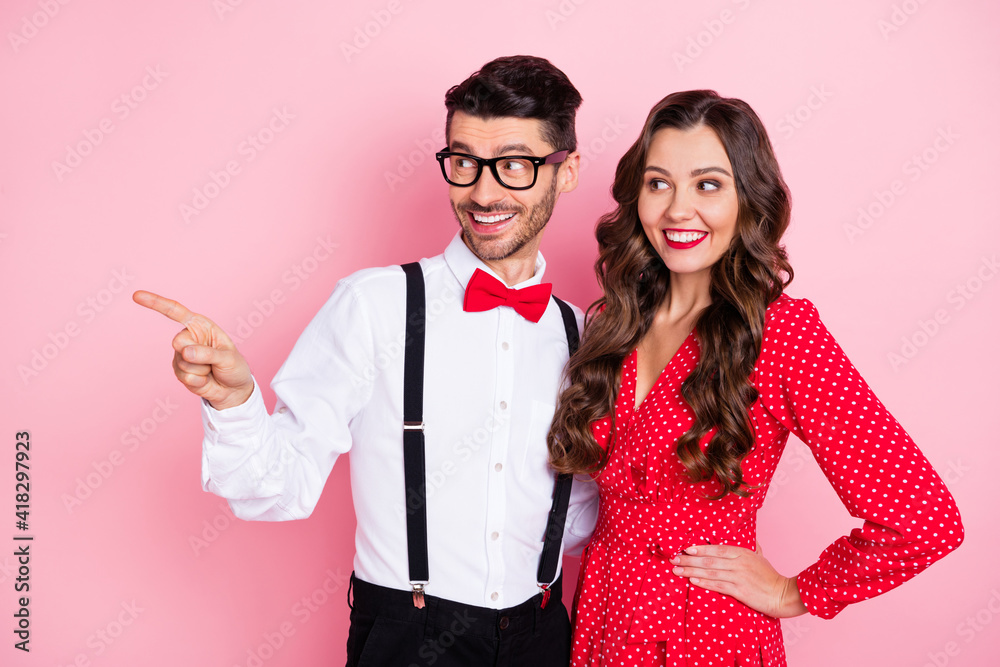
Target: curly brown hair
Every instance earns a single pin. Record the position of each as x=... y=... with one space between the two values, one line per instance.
x=752 y=273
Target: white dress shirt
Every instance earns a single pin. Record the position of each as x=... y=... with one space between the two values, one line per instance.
x=490 y=385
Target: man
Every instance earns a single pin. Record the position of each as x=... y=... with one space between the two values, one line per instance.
x=492 y=368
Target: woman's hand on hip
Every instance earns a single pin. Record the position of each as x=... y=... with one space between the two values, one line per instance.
x=741 y=574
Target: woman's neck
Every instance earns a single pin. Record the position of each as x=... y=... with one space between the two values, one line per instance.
x=687 y=295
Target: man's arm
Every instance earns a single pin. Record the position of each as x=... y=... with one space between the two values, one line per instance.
x=581 y=516
x=273 y=467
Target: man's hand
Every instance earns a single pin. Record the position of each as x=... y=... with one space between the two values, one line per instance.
x=205 y=359
x=742 y=574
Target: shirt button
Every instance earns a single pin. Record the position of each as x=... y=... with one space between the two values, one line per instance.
x=503 y=405
x=498 y=467
x=505 y=345
x=495 y=536
x=282 y=410
x=494 y=596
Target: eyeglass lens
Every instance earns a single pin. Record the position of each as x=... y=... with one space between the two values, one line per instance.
x=512 y=172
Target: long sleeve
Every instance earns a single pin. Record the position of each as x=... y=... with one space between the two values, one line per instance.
x=581 y=517
x=273 y=467
x=809 y=385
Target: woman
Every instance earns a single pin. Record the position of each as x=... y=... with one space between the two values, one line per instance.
x=694 y=369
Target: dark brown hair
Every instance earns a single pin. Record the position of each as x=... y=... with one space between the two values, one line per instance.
x=520 y=87
x=751 y=274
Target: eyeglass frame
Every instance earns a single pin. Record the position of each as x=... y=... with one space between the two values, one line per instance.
x=444 y=154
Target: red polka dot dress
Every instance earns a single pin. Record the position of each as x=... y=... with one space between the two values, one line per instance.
x=631 y=610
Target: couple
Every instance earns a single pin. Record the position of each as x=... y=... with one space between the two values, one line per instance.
x=693 y=369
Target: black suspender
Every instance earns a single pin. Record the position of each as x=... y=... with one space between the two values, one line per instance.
x=551 y=548
x=414 y=466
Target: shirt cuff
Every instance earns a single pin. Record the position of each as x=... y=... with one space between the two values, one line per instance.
x=237 y=420
x=814 y=597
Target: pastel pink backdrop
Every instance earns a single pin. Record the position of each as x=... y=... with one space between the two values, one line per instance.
x=888 y=106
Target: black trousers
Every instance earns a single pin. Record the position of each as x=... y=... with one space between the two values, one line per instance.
x=387 y=630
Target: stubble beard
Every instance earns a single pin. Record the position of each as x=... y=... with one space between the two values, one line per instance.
x=526 y=231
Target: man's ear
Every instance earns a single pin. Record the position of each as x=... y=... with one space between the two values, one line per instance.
x=569 y=172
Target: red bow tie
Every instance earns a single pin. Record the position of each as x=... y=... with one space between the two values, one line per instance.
x=485 y=292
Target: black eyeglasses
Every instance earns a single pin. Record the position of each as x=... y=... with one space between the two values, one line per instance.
x=514 y=172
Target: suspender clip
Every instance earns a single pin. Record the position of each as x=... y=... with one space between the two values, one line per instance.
x=546 y=593
x=418 y=595
x=413 y=426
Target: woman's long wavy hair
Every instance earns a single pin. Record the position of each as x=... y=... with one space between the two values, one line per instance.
x=752 y=273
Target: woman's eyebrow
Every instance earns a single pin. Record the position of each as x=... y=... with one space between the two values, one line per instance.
x=694 y=172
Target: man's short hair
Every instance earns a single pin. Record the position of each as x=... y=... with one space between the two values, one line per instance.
x=520 y=87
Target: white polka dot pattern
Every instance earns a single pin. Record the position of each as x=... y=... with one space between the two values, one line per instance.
x=632 y=610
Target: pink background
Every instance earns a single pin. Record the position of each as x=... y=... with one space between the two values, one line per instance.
x=889 y=107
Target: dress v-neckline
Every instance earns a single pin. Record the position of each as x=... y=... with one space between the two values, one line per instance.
x=659 y=379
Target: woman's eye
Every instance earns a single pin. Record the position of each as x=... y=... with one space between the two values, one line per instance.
x=709 y=185
x=658 y=184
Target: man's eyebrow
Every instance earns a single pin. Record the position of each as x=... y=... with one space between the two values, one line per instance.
x=694 y=172
x=520 y=149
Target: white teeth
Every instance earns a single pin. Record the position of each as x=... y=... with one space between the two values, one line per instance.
x=684 y=237
x=492 y=218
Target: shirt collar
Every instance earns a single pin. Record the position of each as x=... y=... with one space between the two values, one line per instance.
x=463 y=263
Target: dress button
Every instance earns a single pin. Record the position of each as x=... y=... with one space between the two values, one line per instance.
x=503 y=405
x=504 y=622
x=494 y=596
x=495 y=536
x=498 y=467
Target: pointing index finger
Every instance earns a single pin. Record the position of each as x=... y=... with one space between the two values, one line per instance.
x=172 y=309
